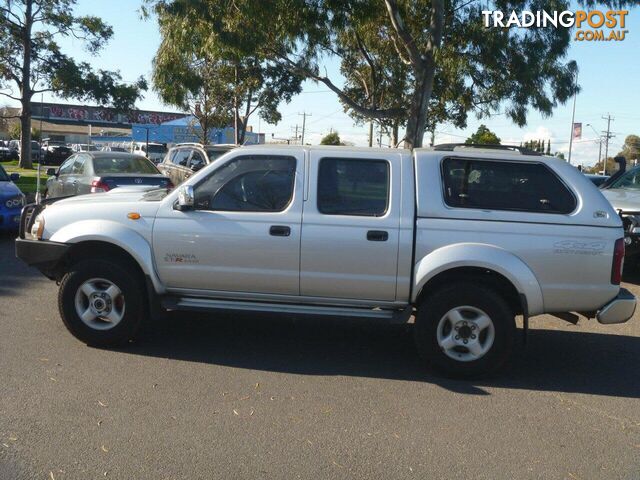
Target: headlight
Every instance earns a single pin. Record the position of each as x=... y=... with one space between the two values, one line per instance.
x=15 y=202
x=37 y=228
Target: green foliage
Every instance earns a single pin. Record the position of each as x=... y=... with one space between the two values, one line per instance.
x=32 y=61
x=216 y=81
x=631 y=148
x=406 y=62
x=331 y=138
x=483 y=136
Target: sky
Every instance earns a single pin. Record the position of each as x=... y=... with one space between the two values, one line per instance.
x=609 y=76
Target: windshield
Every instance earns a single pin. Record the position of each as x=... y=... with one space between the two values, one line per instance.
x=630 y=179
x=123 y=165
x=155 y=148
x=155 y=195
x=3 y=175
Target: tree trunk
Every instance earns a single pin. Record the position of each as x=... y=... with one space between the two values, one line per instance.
x=417 y=121
x=25 y=89
x=394 y=134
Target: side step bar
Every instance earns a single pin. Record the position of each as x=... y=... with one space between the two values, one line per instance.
x=212 y=305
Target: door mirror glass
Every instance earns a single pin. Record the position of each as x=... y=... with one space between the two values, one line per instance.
x=185 y=198
x=14 y=177
x=51 y=172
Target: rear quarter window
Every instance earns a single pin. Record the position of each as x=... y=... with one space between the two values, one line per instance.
x=504 y=185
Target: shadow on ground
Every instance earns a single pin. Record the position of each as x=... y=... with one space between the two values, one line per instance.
x=15 y=276
x=553 y=360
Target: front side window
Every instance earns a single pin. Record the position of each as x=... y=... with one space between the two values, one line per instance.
x=181 y=157
x=197 y=161
x=353 y=187
x=248 y=184
x=67 y=166
x=78 y=165
x=491 y=185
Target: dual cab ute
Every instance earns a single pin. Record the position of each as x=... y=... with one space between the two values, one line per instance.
x=464 y=238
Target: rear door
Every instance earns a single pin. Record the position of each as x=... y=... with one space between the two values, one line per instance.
x=351 y=224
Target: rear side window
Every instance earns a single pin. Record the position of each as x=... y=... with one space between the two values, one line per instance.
x=353 y=187
x=490 y=185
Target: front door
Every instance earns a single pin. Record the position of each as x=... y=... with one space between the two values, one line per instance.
x=351 y=226
x=243 y=234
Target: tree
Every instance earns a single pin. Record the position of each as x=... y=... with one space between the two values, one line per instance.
x=631 y=148
x=331 y=138
x=450 y=59
x=483 y=136
x=213 y=80
x=31 y=60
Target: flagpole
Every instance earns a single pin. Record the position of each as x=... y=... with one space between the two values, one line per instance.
x=573 y=116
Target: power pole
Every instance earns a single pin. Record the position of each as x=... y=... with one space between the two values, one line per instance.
x=304 y=123
x=573 y=117
x=607 y=136
x=295 y=138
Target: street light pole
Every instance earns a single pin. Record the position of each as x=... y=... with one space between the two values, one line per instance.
x=573 y=116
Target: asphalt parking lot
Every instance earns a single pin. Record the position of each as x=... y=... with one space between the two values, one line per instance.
x=263 y=397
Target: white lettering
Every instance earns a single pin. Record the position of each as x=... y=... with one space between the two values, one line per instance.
x=528 y=19
x=486 y=14
x=567 y=19
x=513 y=19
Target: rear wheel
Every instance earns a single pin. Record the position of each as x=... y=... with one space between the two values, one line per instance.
x=465 y=330
x=102 y=302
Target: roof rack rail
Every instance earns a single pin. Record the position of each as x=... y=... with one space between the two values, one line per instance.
x=450 y=147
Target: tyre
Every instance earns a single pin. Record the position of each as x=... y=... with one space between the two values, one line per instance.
x=102 y=302
x=465 y=330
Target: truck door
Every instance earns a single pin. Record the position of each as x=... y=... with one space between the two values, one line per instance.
x=351 y=226
x=243 y=234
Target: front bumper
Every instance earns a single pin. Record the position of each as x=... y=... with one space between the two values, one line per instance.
x=9 y=220
x=42 y=254
x=618 y=310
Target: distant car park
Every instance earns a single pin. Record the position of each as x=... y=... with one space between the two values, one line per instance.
x=96 y=172
x=187 y=158
x=84 y=147
x=55 y=152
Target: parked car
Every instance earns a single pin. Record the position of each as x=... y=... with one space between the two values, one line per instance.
x=7 y=154
x=84 y=147
x=185 y=159
x=464 y=239
x=11 y=201
x=597 y=180
x=624 y=194
x=95 y=172
x=55 y=152
x=155 y=153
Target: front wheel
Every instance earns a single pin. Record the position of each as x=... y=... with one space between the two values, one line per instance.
x=465 y=330
x=102 y=302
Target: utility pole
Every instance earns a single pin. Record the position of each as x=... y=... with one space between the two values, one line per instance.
x=607 y=137
x=371 y=133
x=295 y=137
x=573 y=116
x=304 y=123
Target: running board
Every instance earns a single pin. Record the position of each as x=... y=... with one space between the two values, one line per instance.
x=212 y=305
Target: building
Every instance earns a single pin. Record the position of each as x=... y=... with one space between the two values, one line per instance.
x=187 y=129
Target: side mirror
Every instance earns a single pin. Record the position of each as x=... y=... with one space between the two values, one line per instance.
x=14 y=177
x=51 y=172
x=186 y=198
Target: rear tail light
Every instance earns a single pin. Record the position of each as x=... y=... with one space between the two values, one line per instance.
x=98 y=186
x=618 y=259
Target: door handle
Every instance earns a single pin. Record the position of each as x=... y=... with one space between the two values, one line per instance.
x=377 y=236
x=279 y=231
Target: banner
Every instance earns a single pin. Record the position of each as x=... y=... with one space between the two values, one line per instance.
x=577 y=130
